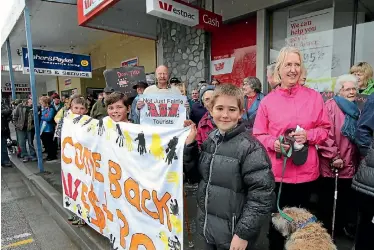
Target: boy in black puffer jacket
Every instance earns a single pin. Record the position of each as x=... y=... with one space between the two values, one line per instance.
x=236 y=191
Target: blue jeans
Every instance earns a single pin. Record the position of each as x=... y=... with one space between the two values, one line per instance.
x=28 y=136
x=4 y=151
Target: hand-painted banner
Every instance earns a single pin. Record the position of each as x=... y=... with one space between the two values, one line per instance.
x=163 y=110
x=125 y=180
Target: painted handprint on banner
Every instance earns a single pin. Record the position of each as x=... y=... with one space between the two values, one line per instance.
x=176 y=223
x=67 y=201
x=101 y=128
x=171 y=150
x=174 y=244
x=77 y=119
x=120 y=137
x=156 y=147
x=173 y=177
x=84 y=119
x=92 y=125
x=112 y=240
x=109 y=126
x=165 y=239
x=174 y=208
x=128 y=141
x=141 y=145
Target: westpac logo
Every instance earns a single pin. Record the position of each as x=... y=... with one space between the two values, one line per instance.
x=169 y=7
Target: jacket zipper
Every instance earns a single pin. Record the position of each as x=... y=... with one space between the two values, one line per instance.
x=233 y=224
x=206 y=191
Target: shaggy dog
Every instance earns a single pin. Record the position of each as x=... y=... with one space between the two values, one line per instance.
x=304 y=232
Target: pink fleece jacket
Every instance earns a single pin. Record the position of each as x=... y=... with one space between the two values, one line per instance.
x=286 y=108
x=337 y=146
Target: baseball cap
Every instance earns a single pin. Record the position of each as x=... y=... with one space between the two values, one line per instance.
x=174 y=80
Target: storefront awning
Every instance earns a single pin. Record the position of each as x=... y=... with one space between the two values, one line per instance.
x=127 y=17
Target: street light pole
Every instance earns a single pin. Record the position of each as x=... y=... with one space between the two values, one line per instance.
x=11 y=73
x=30 y=53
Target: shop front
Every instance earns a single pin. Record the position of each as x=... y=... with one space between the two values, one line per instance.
x=174 y=30
x=332 y=35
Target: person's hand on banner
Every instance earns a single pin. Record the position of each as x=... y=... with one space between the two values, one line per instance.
x=128 y=141
x=191 y=137
x=101 y=129
x=188 y=123
x=140 y=104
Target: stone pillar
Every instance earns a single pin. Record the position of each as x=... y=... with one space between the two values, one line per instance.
x=183 y=52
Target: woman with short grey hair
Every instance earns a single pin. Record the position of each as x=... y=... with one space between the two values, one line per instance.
x=339 y=84
x=339 y=153
x=252 y=97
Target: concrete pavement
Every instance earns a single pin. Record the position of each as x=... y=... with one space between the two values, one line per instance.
x=25 y=223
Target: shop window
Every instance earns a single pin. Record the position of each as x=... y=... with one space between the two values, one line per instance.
x=364 y=51
x=233 y=51
x=322 y=30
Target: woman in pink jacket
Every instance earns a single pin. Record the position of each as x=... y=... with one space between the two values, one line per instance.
x=286 y=108
x=339 y=152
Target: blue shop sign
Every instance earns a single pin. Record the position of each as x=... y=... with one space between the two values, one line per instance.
x=58 y=63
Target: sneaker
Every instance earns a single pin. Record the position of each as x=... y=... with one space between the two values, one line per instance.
x=51 y=159
x=73 y=218
x=25 y=159
x=79 y=222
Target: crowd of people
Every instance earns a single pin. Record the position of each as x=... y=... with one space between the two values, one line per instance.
x=237 y=144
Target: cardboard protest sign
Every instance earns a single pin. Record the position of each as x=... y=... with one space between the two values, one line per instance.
x=163 y=110
x=123 y=79
x=361 y=99
x=125 y=181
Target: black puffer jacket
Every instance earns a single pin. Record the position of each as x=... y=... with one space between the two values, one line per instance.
x=236 y=191
x=363 y=181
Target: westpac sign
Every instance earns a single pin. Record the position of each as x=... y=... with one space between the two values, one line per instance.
x=173 y=11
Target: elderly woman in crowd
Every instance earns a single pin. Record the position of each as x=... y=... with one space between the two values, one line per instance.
x=299 y=113
x=252 y=98
x=364 y=73
x=339 y=153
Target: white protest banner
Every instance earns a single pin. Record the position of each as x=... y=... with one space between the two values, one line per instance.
x=313 y=34
x=125 y=180
x=163 y=110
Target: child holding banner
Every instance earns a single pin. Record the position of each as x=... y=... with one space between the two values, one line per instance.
x=78 y=106
x=235 y=194
x=118 y=107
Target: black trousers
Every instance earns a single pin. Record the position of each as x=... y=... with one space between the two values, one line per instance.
x=346 y=209
x=293 y=195
x=365 y=225
x=50 y=144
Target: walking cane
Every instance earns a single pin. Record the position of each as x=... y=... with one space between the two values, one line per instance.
x=190 y=242
x=334 y=207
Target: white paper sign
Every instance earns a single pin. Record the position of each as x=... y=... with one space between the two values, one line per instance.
x=163 y=110
x=125 y=180
x=313 y=34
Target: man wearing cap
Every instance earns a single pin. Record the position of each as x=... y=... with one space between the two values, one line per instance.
x=140 y=87
x=99 y=109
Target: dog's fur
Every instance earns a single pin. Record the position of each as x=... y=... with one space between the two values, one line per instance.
x=312 y=237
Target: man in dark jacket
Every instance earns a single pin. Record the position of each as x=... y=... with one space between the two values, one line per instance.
x=365 y=126
x=99 y=110
x=199 y=109
x=363 y=181
x=6 y=113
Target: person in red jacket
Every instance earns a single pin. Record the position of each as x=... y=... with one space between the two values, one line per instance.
x=340 y=152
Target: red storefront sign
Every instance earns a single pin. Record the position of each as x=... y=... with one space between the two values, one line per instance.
x=88 y=9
